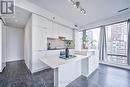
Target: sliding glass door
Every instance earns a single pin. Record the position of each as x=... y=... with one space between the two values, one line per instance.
x=116 y=41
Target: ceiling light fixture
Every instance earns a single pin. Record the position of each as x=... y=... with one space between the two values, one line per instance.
x=76 y=4
x=123 y=9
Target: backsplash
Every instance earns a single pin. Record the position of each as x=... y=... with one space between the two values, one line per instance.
x=57 y=44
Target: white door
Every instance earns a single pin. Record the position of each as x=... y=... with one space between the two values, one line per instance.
x=3 y=46
x=0 y=46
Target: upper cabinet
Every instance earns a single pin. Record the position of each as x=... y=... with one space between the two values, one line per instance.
x=59 y=30
x=55 y=30
x=66 y=32
x=43 y=28
x=40 y=21
x=39 y=33
x=39 y=39
x=69 y=34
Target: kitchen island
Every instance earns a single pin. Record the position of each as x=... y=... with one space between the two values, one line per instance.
x=67 y=70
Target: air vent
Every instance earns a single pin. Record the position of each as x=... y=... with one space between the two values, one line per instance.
x=123 y=9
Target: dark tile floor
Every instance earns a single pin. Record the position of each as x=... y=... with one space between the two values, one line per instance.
x=105 y=76
x=16 y=74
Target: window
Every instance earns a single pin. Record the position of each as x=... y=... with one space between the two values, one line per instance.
x=92 y=38
x=116 y=40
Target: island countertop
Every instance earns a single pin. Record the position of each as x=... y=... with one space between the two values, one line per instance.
x=54 y=61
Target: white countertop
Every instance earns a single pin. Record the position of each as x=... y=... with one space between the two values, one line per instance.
x=54 y=61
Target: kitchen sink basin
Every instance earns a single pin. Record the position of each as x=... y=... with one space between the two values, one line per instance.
x=64 y=57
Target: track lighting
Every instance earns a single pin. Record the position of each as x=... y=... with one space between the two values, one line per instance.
x=77 y=5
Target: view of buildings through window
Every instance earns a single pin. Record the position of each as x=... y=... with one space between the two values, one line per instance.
x=93 y=37
x=116 y=40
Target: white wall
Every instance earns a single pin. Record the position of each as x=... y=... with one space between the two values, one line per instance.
x=27 y=44
x=15 y=44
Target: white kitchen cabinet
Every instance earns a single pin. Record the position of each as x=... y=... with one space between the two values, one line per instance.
x=60 y=31
x=40 y=21
x=55 y=30
x=69 y=34
x=91 y=64
x=65 y=32
x=93 y=61
x=39 y=41
x=50 y=31
x=41 y=29
x=37 y=65
x=39 y=38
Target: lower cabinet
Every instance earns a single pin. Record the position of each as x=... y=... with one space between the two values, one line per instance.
x=37 y=65
x=89 y=65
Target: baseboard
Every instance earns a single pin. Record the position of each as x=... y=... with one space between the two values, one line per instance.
x=13 y=59
x=127 y=67
x=90 y=75
x=28 y=67
x=38 y=70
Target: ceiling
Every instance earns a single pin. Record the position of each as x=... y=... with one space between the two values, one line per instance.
x=19 y=19
x=96 y=9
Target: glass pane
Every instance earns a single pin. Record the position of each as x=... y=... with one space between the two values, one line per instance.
x=116 y=40
x=93 y=38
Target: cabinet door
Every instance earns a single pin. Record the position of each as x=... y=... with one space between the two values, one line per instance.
x=50 y=31
x=91 y=64
x=37 y=64
x=66 y=32
x=69 y=33
x=93 y=61
x=39 y=38
x=39 y=21
x=60 y=31
x=96 y=59
x=55 y=30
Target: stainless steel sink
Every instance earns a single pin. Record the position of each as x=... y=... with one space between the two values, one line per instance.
x=64 y=57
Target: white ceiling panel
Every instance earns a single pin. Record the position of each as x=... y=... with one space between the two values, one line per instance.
x=19 y=19
x=96 y=9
